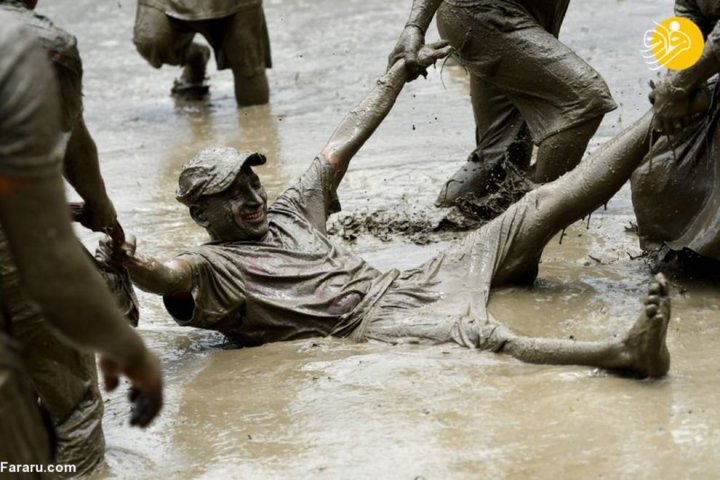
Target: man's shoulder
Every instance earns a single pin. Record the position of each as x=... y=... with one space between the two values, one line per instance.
x=60 y=44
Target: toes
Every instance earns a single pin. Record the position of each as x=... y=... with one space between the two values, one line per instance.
x=651 y=310
x=652 y=300
x=662 y=283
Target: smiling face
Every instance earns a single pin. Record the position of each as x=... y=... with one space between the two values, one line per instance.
x=237 y=213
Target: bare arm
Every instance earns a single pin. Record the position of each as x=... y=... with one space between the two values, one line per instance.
x=361 y=122
x=149 y=274
x=412 y=38
x=82 y=171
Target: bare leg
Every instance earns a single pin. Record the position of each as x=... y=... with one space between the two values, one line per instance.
x=642 y=351
x=561 y=152
x=557 y=204
x=251 y=90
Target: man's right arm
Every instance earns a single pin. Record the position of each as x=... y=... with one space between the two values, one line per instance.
x=161 y=278
x=148 y=273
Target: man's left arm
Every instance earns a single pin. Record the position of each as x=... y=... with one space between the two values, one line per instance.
x=361 y=122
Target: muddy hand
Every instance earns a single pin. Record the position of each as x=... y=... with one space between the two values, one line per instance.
x=146 y=394
x=98 y=218
x=432 y=52
x=674 y=107
x=110 y=250
x=407 y=48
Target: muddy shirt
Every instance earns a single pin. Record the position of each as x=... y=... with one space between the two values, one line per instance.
x=61 y=48
x=705 y=14
x=293 y=283
x=200 y=9
x=28 y=105
x=549 y=13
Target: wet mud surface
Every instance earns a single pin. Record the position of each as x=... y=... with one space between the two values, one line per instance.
x=327 y=408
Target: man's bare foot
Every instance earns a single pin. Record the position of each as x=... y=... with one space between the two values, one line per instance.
x=645 y=342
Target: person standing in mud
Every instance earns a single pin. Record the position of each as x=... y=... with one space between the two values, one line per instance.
x=64 y=377
x=273 y=274
x=51 y=264
x=235 y=29
x=526 y=88
x=675 y=191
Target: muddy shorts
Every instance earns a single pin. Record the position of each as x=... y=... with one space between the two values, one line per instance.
x=240 y=41
x=25 y=439
x=552 y=88
x=445 y=300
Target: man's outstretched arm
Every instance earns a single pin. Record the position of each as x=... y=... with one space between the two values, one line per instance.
x=149 y=274
x=361 y=122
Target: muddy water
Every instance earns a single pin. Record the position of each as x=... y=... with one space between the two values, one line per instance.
x=332 y=409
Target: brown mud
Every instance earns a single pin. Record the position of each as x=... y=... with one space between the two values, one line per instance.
x=327 y=408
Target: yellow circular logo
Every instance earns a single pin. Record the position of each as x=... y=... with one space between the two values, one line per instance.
x=676 y=44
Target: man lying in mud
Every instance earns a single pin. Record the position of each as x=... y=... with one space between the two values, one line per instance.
x=272 y=274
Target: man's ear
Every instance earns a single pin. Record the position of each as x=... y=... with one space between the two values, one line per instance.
x=198 y=214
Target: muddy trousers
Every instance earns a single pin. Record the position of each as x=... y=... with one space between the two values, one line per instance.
x=64 y=379
x=24 y=438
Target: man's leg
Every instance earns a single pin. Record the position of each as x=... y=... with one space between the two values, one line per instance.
x=25 y=439
x=561 y=152
x=560 y=96
x=64 y=378
x=555 y=205
x=163 y=41
x=246 y=49
x=501 y=136
x=642 y=350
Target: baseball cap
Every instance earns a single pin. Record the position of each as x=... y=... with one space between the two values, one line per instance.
x=212 y=171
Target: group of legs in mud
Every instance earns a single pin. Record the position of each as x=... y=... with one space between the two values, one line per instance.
x=270 y=272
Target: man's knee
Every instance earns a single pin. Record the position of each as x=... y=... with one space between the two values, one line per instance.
x=155 y=38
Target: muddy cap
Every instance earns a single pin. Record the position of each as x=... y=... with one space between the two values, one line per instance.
x=212 y=171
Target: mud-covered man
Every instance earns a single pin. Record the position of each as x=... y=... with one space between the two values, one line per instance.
x=64 y=378
x=675 y=191
x=272 y=274
x=235 y=29
x=52 y=266
x=526 y=87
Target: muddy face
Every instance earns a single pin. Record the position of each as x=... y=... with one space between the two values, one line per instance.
x=237 y=213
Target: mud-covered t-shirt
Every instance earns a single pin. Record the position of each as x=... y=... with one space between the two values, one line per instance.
x=705 y=14
x=28 y=105
x=294 y=283
x=200 y=9
x=28 y=109
x=61 y=48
